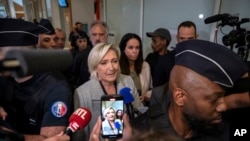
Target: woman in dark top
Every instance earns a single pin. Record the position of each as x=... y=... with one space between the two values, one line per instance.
x=82 y=47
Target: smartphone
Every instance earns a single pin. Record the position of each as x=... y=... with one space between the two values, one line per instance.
x=112 y=109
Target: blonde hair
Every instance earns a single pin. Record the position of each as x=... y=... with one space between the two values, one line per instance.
x=96 y=55
x=107 y=110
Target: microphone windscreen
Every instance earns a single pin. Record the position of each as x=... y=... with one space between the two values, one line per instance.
x=126 y=93
x=215 y=18
x=117 y=125
x=37 y=61
x=81 y=117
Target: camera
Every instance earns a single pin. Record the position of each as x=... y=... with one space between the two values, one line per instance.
x=238 y=37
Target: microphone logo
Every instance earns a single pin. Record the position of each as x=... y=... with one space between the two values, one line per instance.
x=81 y=113
x=73 y=126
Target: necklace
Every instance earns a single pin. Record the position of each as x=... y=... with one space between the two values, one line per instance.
x=104 y=90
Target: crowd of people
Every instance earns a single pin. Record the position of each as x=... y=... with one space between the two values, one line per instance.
x=187 y=91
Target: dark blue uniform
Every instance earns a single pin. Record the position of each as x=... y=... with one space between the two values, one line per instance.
x=44 y=100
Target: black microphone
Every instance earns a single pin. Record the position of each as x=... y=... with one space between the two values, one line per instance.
x=28 y=62
x=244 y=20
x=216 y=18
x=128 y=99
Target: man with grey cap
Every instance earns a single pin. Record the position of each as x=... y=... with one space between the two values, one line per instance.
x=191 y=107
x=186 y=31
x=160 y=40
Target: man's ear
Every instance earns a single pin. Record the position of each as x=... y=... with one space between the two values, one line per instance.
x=178 y=96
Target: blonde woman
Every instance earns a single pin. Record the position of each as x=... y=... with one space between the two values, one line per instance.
x=105 y=79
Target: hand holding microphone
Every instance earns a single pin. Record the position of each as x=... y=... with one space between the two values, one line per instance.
x=78 y=120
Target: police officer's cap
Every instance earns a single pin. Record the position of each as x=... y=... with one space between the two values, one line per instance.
x=46 y=24
x=17 y=32
x=216 y=62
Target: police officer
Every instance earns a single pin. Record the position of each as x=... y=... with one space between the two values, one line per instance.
x=191 y=107
x=39 y=106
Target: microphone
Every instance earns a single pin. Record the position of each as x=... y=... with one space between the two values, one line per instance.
x=216 y=18
x=244 y=20
x=78 y=120
x=28 y=62
x=117 y=125
x=128 y=99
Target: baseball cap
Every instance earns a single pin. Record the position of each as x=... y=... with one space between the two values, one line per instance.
x=160 y=32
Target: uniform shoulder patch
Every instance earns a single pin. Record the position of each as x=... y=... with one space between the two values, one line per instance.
x=59 y=109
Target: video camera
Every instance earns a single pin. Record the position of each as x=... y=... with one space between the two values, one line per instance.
x=238 y=37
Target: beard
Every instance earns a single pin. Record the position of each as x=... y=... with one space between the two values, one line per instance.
x=202 y=126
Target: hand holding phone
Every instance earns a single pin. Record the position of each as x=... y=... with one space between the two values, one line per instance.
x=127 y=131
x=112 y=112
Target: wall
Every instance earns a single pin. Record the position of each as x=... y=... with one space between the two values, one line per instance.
x=123 y=17
x=126 y=16
x=82 y=11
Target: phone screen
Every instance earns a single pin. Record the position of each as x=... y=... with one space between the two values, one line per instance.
x=112 y=109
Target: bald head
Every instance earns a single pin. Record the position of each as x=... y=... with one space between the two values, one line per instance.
x=182 y=77
x=196 y=98
x=189 y=80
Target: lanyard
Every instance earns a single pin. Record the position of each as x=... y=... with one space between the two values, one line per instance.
x=103 y=89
